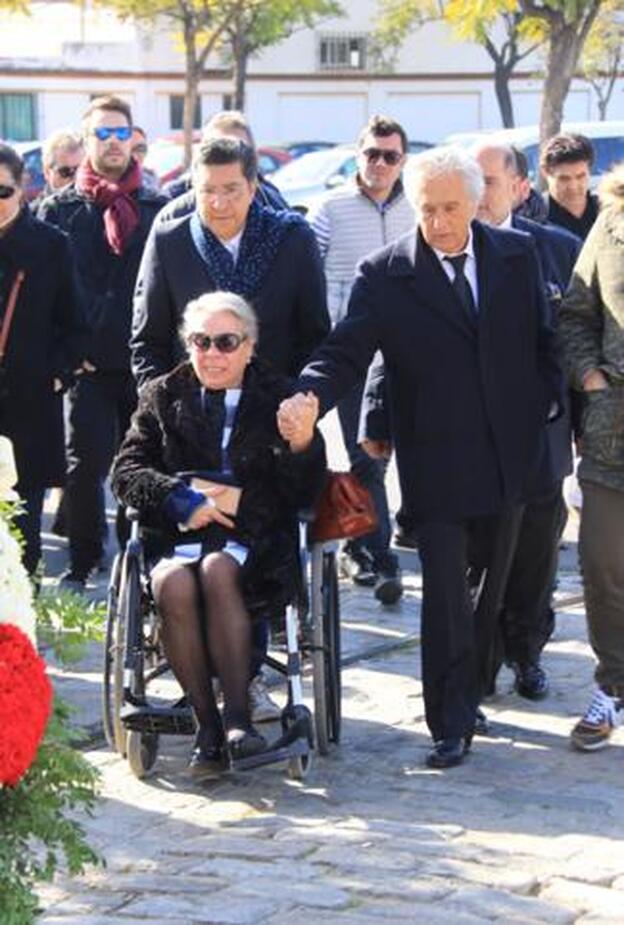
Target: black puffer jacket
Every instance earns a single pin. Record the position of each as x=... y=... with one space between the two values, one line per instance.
x=171 y=433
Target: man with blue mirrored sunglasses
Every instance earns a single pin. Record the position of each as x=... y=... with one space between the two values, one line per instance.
x=107 y=213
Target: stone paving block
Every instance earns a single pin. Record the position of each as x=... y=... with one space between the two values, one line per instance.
x=238 y=869
x=506 y=878
x=88 y=903
x=212 y=910
x=420 y=914
x=373 y=883
x=584 y=897
x=299 y=916
x=365 y=855
x=497 y=904
x=74 y=919
x=252 y=847
x=301 y=893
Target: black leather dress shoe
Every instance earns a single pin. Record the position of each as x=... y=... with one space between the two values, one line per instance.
x=206 y=763
x=481 y=726
x=243 y=743
x=531 y=680
x=447 y=753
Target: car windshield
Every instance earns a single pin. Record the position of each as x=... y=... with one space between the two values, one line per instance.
x=311 y=168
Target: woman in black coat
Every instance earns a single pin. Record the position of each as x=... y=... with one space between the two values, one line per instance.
x=43 y=343
x=217 y=414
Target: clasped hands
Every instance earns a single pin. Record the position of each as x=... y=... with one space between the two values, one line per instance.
x=296 y=417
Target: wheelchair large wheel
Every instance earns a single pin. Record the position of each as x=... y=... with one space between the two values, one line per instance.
x=326 y=653
x=129 y=611
x=110 y=717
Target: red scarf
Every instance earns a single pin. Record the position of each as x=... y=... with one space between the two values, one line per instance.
x=121 y=213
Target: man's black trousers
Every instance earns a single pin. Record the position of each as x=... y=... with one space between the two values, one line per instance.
x=457 y=634
x=100 y=407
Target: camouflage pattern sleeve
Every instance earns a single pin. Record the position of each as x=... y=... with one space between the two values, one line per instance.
x=580 y=329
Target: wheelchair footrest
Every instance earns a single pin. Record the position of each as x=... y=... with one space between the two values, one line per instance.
x=273 y=754
x=158 y=720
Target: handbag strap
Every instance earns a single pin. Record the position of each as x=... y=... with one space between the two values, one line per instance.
x=10 y=310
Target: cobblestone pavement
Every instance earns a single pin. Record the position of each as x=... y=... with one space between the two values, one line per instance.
x=524 y=832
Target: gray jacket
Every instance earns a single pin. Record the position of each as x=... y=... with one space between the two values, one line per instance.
x=349 y=226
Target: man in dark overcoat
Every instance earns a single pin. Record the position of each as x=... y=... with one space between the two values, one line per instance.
x=527 y=618
x=458 y=311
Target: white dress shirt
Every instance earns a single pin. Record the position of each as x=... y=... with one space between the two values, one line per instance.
x=470 y=266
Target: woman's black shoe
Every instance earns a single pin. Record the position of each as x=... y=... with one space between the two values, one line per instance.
x=243 y=743
x=206 y=763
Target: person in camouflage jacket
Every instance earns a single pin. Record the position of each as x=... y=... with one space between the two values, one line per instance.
x=591 y=331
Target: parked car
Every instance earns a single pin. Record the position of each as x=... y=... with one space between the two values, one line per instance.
x=31 y=154
x=271 y=158
x=299 y=148
x=305 y=177
x=606 y=137
x=310 y=175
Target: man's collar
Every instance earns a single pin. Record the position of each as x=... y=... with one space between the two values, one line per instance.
x=506 y=222
x=395 y=192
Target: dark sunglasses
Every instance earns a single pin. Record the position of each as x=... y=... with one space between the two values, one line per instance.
x=121 y=132
x=224 y=343
x=7 y=191
x=391 y=158
x=66 y=172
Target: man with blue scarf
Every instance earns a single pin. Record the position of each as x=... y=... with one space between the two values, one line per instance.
x=230 y=243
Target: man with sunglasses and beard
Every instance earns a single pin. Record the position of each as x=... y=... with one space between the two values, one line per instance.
x=107 y=214
x=364 y=215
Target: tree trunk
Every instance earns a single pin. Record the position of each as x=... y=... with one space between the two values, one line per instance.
x=191 y=89
x=503 y=94
x=240 y=56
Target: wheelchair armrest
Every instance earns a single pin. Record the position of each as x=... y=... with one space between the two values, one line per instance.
x=306 y=515
x=132 y=514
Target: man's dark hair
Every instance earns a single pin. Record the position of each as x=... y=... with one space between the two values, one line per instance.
x=382 y=127
x=108 y=104
x=566 y=149
x=10 y=159
x=522 y=162
x=224 y=150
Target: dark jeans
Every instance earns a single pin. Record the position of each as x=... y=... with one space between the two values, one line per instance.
x=527 y=619
x=29 y=523
x=100 y=408
x=371 y=472
x=601 y=549
x=456 y=634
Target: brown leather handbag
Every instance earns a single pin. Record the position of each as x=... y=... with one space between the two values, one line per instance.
x=344 y=510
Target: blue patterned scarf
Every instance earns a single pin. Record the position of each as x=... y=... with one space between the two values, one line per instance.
x=263 y=234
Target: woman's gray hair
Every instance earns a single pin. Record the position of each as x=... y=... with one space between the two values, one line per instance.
x=211 y=303
x=438 y=162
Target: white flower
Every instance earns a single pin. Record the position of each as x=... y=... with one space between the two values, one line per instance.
x=15 y=587
x=8 y=472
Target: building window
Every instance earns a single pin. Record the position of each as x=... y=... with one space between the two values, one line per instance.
x=345 y=51
x=17 y=116
x=176 y=112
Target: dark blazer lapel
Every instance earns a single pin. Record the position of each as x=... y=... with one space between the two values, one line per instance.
x=492 y=270
x=414 y=259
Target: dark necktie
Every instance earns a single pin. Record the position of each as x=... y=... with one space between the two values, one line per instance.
x=462 y=287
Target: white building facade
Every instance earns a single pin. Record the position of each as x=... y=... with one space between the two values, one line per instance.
x=317 y=84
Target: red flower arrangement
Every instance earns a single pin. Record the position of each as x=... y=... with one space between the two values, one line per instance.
x=25 y=703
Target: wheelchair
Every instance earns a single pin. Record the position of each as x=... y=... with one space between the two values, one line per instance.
x=134 y=661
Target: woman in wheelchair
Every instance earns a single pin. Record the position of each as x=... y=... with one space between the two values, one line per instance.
x=231 y=537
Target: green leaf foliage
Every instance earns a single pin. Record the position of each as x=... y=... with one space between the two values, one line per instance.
x=37 y=833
